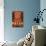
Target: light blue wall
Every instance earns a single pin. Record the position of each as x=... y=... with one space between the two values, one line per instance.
x=43 y=6
x=29 y=7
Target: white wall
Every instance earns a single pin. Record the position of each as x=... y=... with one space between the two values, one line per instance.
x=1 y=21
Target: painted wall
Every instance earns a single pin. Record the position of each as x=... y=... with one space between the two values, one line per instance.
x=29 y=7
x=1 y=21
x=43 y=6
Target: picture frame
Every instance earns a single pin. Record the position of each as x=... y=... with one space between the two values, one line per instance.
x=17 y=19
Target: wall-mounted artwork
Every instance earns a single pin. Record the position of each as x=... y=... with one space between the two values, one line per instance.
x=17 y=19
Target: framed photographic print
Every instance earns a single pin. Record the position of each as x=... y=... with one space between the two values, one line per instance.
x=17 y=19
